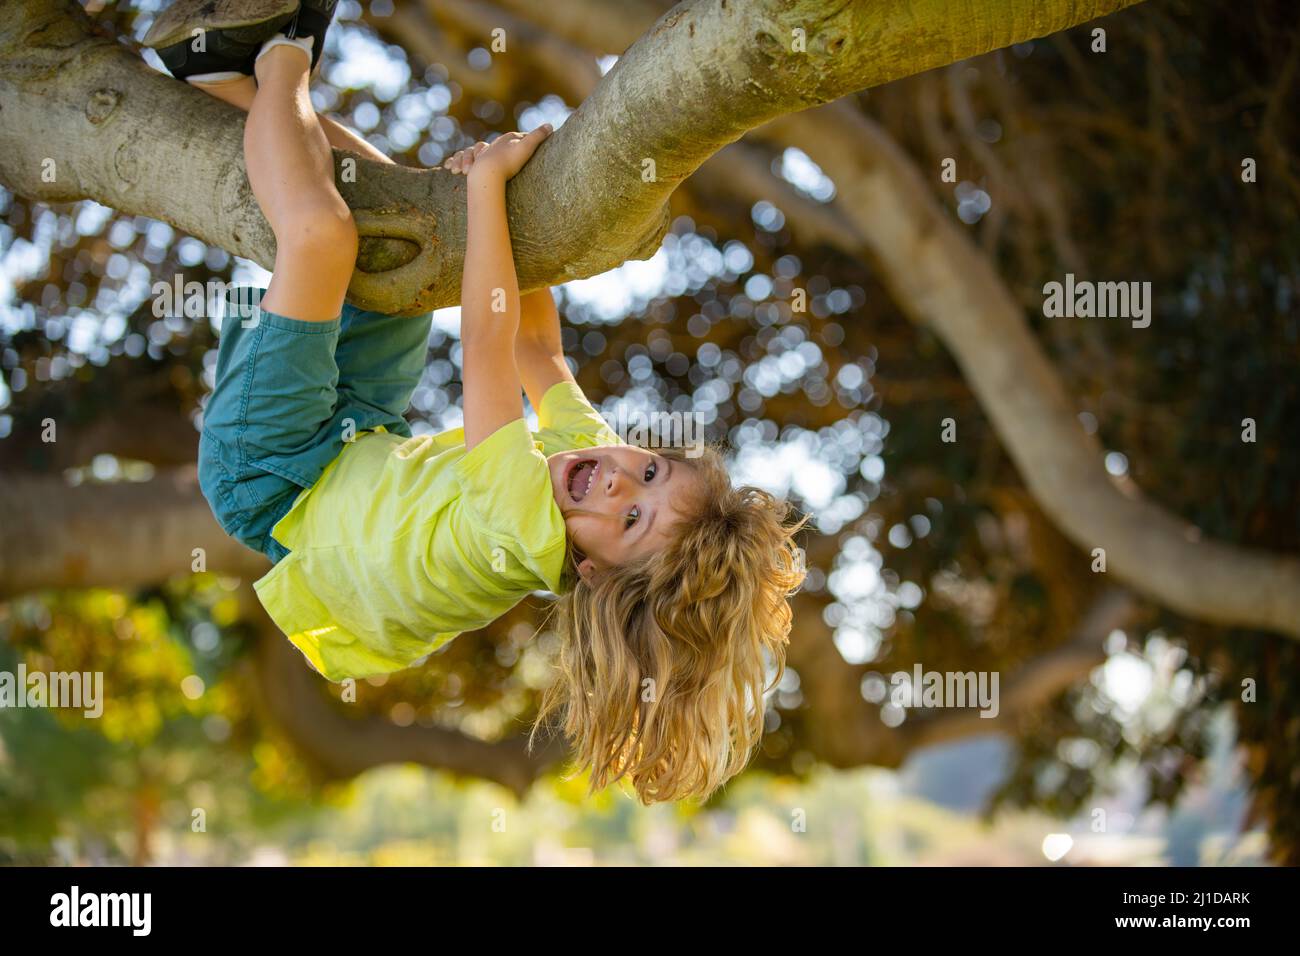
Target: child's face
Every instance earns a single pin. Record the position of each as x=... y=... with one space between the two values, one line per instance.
x=618 y=502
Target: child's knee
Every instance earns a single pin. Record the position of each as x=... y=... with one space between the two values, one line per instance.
x=324 y=234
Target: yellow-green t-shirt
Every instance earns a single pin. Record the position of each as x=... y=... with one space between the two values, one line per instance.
x=404 y=543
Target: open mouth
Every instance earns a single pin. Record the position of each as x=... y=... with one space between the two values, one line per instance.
x=581 y=478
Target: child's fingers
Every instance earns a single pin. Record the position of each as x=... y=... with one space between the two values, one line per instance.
x=531 y=140
x=461 y=161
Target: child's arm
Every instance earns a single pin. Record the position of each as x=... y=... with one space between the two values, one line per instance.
x=489 y=288
x=539 y=356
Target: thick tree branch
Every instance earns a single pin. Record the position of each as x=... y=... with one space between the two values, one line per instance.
x=707 y=72
x=738 y=172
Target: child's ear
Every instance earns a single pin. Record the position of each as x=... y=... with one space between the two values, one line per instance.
x=587 y=569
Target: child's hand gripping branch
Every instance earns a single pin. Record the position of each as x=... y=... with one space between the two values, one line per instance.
x=489 y=287
x=619 y=503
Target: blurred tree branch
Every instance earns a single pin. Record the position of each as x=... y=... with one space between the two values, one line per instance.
x=158 y=434
x=338 y=746
x=126 y=534
x=845 y=730
x=552 y=60
x=1037 y=680
x=944 y=282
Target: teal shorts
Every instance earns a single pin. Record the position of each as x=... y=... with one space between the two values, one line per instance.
x=289 y=394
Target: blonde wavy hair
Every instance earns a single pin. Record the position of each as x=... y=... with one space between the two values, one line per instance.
x=662 y=661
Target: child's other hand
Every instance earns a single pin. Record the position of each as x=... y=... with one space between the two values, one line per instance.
x=502 y=158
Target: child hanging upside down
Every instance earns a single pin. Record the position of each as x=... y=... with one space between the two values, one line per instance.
x=673 y=584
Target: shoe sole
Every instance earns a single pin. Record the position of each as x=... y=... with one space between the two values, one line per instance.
x=245 y=21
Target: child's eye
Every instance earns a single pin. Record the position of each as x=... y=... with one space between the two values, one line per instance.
x=651 y=470
x=633 y=516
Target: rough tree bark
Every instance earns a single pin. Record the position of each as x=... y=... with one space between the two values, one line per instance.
x=704 y=74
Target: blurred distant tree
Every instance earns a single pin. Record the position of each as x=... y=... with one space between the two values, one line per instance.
x=974 y=554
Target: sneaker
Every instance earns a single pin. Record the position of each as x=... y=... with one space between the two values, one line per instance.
x=313 y=20
x=231 y=33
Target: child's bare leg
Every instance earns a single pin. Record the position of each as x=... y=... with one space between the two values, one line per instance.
x=237 y=92
x=291 y=170
x=240 y=92
x=341 y=137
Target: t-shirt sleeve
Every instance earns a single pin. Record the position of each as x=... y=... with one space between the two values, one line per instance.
x=567 y=420
x=506 y=495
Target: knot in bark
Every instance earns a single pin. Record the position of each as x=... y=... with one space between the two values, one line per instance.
x=101 y=105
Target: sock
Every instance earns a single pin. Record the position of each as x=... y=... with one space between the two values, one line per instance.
x=222 y=77
x=302 y=43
